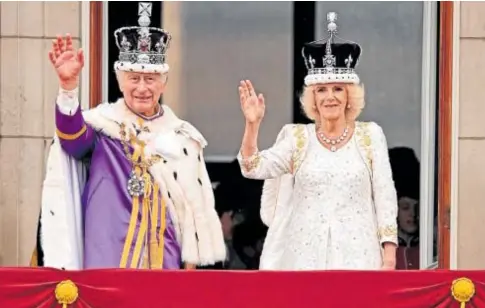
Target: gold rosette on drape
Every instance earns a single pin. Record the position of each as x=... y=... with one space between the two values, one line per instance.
x=66 y=293
x=462 y=290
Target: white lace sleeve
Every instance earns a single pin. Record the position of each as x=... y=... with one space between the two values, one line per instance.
x=270 y=163
x=385 y=198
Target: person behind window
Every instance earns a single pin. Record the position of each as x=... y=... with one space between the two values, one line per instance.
x=342 y=205
x=408 y=224
x=146 y=201
x=406 y=170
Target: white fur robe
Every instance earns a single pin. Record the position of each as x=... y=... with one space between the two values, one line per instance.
x=191 y=202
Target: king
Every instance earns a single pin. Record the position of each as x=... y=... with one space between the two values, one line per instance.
x=126 y=184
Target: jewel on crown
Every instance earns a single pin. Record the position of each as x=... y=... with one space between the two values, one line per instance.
x=144 y=41
x=125 y=45
x=160 y=46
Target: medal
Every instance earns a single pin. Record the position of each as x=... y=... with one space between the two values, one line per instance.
x=136 y=185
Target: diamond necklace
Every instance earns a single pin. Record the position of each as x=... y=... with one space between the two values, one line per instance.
x=333 y=142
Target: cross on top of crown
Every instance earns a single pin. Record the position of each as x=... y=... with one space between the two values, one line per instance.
x=331 y=17
x=145 y=9
x=332 y=26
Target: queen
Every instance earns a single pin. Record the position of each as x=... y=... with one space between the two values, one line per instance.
x=329 y=198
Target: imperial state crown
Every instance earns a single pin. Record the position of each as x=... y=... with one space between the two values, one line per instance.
x=142 y=48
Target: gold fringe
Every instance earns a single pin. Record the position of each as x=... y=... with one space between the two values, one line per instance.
x=133 y=219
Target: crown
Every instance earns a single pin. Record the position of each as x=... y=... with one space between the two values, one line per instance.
x=142 y=48
x=329 y=60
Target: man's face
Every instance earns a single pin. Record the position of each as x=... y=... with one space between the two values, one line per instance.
x=142 y=91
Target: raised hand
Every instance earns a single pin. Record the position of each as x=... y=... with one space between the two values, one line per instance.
x=66 y=61
x=252 y=105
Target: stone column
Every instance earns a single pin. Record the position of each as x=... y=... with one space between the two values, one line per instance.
x=28 y=88
x=174 y=95
x=471 y=147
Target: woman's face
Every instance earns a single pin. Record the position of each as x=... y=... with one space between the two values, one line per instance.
x=408 y=215
x=331 y=100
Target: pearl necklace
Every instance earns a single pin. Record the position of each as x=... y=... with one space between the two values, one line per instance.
x=333 y=142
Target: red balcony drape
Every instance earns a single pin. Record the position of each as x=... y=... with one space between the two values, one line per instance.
x=43 y=287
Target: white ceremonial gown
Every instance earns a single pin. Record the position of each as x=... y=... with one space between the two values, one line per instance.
x=341 y=210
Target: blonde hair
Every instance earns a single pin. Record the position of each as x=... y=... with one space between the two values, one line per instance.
x=355 y=99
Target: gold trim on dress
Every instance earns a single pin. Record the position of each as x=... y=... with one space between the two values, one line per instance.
x=297 y=157
x=252 y=162
x=365 y=141
x=387 y=231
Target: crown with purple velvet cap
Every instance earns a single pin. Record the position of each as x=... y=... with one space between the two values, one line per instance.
x=142 y=48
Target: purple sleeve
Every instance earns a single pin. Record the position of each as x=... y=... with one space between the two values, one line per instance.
x=76 y=137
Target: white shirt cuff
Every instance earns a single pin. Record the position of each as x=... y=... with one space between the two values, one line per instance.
x=68 y=101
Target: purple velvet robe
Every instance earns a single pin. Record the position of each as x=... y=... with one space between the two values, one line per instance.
x=107 y=205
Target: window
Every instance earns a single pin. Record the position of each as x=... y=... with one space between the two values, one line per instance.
x=215 y=44
x=398 y=69
x=218 y=44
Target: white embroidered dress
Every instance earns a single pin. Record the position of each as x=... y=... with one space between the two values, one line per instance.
x=341 y=211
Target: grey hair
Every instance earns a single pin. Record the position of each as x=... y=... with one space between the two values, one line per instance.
x=120 y=73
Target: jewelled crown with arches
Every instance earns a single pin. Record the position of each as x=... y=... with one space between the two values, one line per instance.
x=142 y=48
x=331 y=59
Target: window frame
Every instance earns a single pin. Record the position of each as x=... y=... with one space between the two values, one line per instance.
x=428 y=132
x=445 y=127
